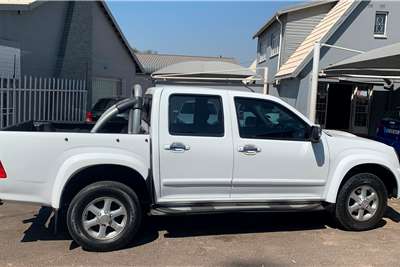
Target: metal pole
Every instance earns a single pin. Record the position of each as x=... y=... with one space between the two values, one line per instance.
x=136 y=113
x=314 y=82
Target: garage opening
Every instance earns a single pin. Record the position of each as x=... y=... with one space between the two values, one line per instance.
x=339 y=106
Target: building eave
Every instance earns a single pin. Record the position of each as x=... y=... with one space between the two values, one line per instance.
x=122 y=37
x=295 y=8
x=6 y=5
x=308 y=58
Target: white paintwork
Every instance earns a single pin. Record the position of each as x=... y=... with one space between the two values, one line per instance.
x=205 y=170
x=273 y=173
x=39 y=165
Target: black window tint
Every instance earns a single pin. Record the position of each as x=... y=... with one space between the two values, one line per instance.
x=146 y=110
x=104 y=103
x=198 y=115
x=268 y=120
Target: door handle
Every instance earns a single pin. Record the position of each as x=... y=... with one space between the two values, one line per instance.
x=249 y=149
x=177 y=147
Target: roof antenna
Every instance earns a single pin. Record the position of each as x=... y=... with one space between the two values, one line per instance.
x=245 y=85
x=250 y=89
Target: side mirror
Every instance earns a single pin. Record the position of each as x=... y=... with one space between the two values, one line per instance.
x=316 y=133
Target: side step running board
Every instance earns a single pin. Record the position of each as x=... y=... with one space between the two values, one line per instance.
x=234 y=207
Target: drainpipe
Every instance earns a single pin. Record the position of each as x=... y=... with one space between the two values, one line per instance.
x=280 y=42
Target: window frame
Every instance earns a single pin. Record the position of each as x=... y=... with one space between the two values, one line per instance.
x=381 y=35
x=274 y=51
x=262 y=48
x=308 y=126
x=219 y=97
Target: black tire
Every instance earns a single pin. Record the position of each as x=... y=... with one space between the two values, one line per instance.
x=105 y=189
x=341 y=210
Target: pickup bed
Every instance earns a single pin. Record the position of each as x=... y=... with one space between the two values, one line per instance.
x=193 y=150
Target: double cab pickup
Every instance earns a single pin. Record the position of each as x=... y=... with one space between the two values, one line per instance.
x=185 y=150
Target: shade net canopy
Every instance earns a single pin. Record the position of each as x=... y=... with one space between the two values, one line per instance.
x=381 y=62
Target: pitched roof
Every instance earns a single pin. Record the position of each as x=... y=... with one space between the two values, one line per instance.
x=321 y=32
x=289 y=10
x=155 y=62
x=31 y=4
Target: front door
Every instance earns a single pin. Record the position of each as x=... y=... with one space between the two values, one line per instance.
x=196 y=157
x=273 y=158
x=360 y=110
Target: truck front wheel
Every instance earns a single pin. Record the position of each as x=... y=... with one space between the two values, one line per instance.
x=361 y=202
x=104 y=216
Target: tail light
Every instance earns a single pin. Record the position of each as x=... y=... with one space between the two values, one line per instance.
x=3 y=173
x=89 y=116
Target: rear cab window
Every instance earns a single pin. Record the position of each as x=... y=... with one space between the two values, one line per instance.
x=195 y=115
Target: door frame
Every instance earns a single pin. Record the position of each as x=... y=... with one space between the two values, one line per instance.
x=357 y=129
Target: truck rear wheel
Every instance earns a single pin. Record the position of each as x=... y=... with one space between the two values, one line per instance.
x=104 y=216
x=361 y=202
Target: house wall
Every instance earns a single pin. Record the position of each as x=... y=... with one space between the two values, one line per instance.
x=356 y=32
x=298 y=25
x=270 y=62
x=111 y=59
x=74 y=56
x=69 y=39
x=37 y=33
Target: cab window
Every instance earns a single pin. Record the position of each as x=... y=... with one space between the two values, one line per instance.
x=263 y=119
x=197 y=115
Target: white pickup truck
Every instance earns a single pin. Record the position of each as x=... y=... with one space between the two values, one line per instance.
x=194 y=150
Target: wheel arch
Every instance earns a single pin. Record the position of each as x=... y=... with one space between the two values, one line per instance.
x=384 y=173
x=101 y=172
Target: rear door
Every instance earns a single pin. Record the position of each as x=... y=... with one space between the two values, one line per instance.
x=196 y=157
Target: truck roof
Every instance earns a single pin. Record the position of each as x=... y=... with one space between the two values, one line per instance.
x=151 y=90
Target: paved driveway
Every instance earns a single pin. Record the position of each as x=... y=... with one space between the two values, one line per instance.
x=247 y=239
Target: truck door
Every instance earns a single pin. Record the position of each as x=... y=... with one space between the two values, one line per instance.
x=274 y=159
x=196 y=157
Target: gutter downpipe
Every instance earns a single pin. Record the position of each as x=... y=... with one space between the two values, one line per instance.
x=278 y=65
x=280 y=42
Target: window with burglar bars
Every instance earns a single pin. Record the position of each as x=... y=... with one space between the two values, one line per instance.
x=380 y=24
x=322 y=104
x=274 y=44
x=262 y=48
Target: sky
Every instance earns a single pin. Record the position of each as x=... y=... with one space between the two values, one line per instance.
x=195 y=28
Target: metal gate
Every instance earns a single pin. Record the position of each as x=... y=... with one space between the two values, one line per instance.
x=41 y=99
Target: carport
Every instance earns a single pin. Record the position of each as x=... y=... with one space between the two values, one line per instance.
x=380 y=63
x=377 y=66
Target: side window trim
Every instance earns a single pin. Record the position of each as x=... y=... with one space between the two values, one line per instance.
x=222 y=122
x=305 y=139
